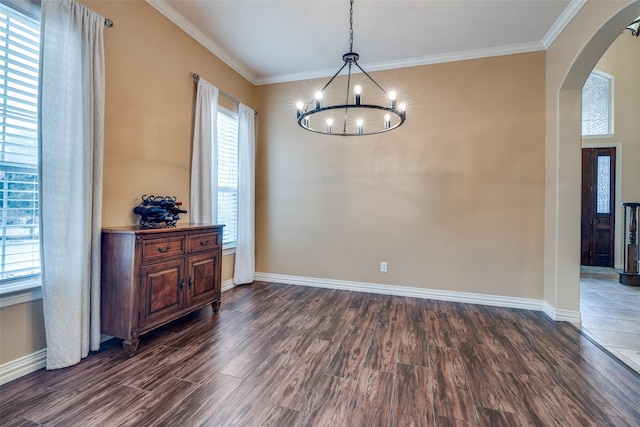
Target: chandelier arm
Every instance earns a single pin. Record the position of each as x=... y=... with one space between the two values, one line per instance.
x=344 y=122
x=346 y=101
x=370 y=78
x=334 y=76
x=306 y=108
x=328 y=83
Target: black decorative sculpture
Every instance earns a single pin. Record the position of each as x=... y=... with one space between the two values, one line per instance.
x=157 y=209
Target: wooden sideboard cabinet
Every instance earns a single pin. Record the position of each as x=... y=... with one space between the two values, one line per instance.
x=151 y=277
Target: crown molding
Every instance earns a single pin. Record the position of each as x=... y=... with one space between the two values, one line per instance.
x=172 y=15
x=413 y=62
x=563 y=20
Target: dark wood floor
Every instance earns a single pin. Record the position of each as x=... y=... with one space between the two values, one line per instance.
x=283 y=355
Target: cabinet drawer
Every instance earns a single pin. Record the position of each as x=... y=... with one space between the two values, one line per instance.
x=203 y=241
x=161 y=248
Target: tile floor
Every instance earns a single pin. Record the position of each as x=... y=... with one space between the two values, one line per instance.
x=611 y=314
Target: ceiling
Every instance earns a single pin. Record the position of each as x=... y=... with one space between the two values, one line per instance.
x=269 y=41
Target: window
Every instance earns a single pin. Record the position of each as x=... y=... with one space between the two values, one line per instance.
x=19 y=63
x=597 y=114
x=228 y=175
x=603 y=187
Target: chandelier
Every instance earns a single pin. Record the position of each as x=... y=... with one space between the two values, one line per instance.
x=356 y=118
x=634 y=27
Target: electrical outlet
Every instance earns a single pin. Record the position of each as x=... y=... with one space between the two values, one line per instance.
x=383 y=266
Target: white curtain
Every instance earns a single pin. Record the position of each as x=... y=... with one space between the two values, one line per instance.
x=71 y=127
x=245 y=265
x=204 y=162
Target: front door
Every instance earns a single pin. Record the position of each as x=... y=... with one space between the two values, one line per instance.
x=598 y=206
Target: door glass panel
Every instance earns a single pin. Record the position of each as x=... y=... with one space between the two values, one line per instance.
x=603 y=200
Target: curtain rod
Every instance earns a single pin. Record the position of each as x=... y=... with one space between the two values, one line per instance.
x=196 y=77
x=108 y=23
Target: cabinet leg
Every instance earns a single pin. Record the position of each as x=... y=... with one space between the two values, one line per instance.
x=130 y=347
x=215 y=306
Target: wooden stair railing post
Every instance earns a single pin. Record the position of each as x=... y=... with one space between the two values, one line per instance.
x=632 y=247
x=630 y=274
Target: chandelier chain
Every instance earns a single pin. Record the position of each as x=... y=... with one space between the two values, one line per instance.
x=351 y=26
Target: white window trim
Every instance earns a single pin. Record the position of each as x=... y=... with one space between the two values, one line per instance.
x=21 y=291
x=612 y=121
x=605 y=136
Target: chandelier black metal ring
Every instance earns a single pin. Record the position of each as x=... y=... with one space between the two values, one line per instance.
x=316 y=117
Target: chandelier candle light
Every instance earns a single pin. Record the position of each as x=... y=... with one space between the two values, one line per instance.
x=380 y=118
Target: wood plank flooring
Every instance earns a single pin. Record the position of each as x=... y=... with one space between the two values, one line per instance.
x=283 y=355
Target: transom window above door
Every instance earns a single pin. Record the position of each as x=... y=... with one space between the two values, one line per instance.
x=597 y=105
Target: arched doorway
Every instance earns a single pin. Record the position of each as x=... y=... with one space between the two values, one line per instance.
x=570 y=59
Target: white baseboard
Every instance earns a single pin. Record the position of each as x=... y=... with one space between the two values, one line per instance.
x=406 y=291
x=23 y=366
x=560 y=315
x=35 y=361
x=226 y=285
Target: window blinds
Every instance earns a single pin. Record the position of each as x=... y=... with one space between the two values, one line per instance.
x=228 y=176
x=19 y=64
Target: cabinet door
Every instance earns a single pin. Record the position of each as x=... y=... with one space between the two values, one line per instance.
x=161 y=292
x=203 y=279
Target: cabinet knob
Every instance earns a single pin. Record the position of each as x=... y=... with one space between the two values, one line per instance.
x=164 y=250
x=182 y=283
x=205 y=243
x=190 y=282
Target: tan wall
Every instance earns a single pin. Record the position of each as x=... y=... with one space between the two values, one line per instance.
x=622 y=61
x=148 y=130
x=453 y=200
x=228 y=263
x=149 y=106
x=21 y=330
